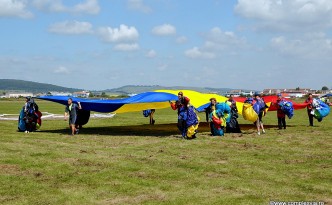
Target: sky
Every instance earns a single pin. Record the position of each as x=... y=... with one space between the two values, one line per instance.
x=103 y=44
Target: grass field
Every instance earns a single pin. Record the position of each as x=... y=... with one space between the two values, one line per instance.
x=123 y=160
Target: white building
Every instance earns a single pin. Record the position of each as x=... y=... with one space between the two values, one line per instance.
x=54 y=93
x=17 y=95
x=82 y=94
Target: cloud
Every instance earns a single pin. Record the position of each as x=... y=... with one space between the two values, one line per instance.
x=217 y=42
x=50 y=5
x=162 y=67
x=311 y=46
x=151 y=54
x=217 y=39
x=126 y=47
x=287 y=15
x=88 y=6
x=17 y=8
x=138 y=5
x=164 y=30
x=181 y=39
x=71 y=27
x=121 y=34
x=61 y=70
x=197 y=53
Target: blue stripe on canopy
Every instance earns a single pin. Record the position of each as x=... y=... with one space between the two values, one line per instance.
x=112 y=105
x=327 y=95
x=203 y=107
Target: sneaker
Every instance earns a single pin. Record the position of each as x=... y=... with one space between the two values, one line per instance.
x=258 y=133
x=263 y=131
x=77 y=131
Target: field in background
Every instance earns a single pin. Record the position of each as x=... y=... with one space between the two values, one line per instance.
x=123 y=160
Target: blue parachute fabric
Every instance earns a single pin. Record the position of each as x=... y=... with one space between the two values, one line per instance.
x=258 y=106
x=217 y=131
x=321 y=109
x=202 y=107
x=191 y=117
x=21 y=121
x=100 y=105
x=228 y=118
x=249 y=100
x=287 y=108
x=146 y=113
x=183 y=114
x=223 y=108
x=327 y=95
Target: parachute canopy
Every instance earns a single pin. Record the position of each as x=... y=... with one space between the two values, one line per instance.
x=143 y=101
x=158 y=99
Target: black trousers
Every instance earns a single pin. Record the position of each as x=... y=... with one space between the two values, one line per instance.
x=311 y=118
x=282 y=122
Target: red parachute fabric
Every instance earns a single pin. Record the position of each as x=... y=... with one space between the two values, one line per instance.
x=273 y=99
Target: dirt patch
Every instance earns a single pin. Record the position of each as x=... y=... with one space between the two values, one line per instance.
x=10 y=169
x=136 y=199
x=213 y=175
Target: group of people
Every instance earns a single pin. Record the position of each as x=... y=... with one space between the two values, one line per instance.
x=222 y=116
x=30 y=117
x=219 y=115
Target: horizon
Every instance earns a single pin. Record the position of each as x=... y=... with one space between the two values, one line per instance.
x=98 y=45
x=167 y=87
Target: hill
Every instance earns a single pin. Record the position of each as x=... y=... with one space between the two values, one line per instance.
x=29 y=86
x=130 y=89
x=34 y=87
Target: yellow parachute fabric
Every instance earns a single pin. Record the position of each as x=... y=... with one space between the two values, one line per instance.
x=249 y=113
x=191 y=131
x=196 y=98
x=239 y=106
x=222 y=119
x=142 y=106
x=268 y=104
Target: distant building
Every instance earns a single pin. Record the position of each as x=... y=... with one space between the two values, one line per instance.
x=17 y=95
x=237 y=93
x=54 y=93
x=81 y=94
x=299 y=92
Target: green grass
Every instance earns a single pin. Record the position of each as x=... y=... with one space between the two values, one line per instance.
x=123 y=160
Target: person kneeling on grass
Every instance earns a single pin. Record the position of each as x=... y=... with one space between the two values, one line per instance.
x=71 y=110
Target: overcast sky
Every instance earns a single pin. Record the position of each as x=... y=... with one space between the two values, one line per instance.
x=100 y=44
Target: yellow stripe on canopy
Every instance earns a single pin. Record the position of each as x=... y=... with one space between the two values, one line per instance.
x=196 y=99
x=142 y=106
